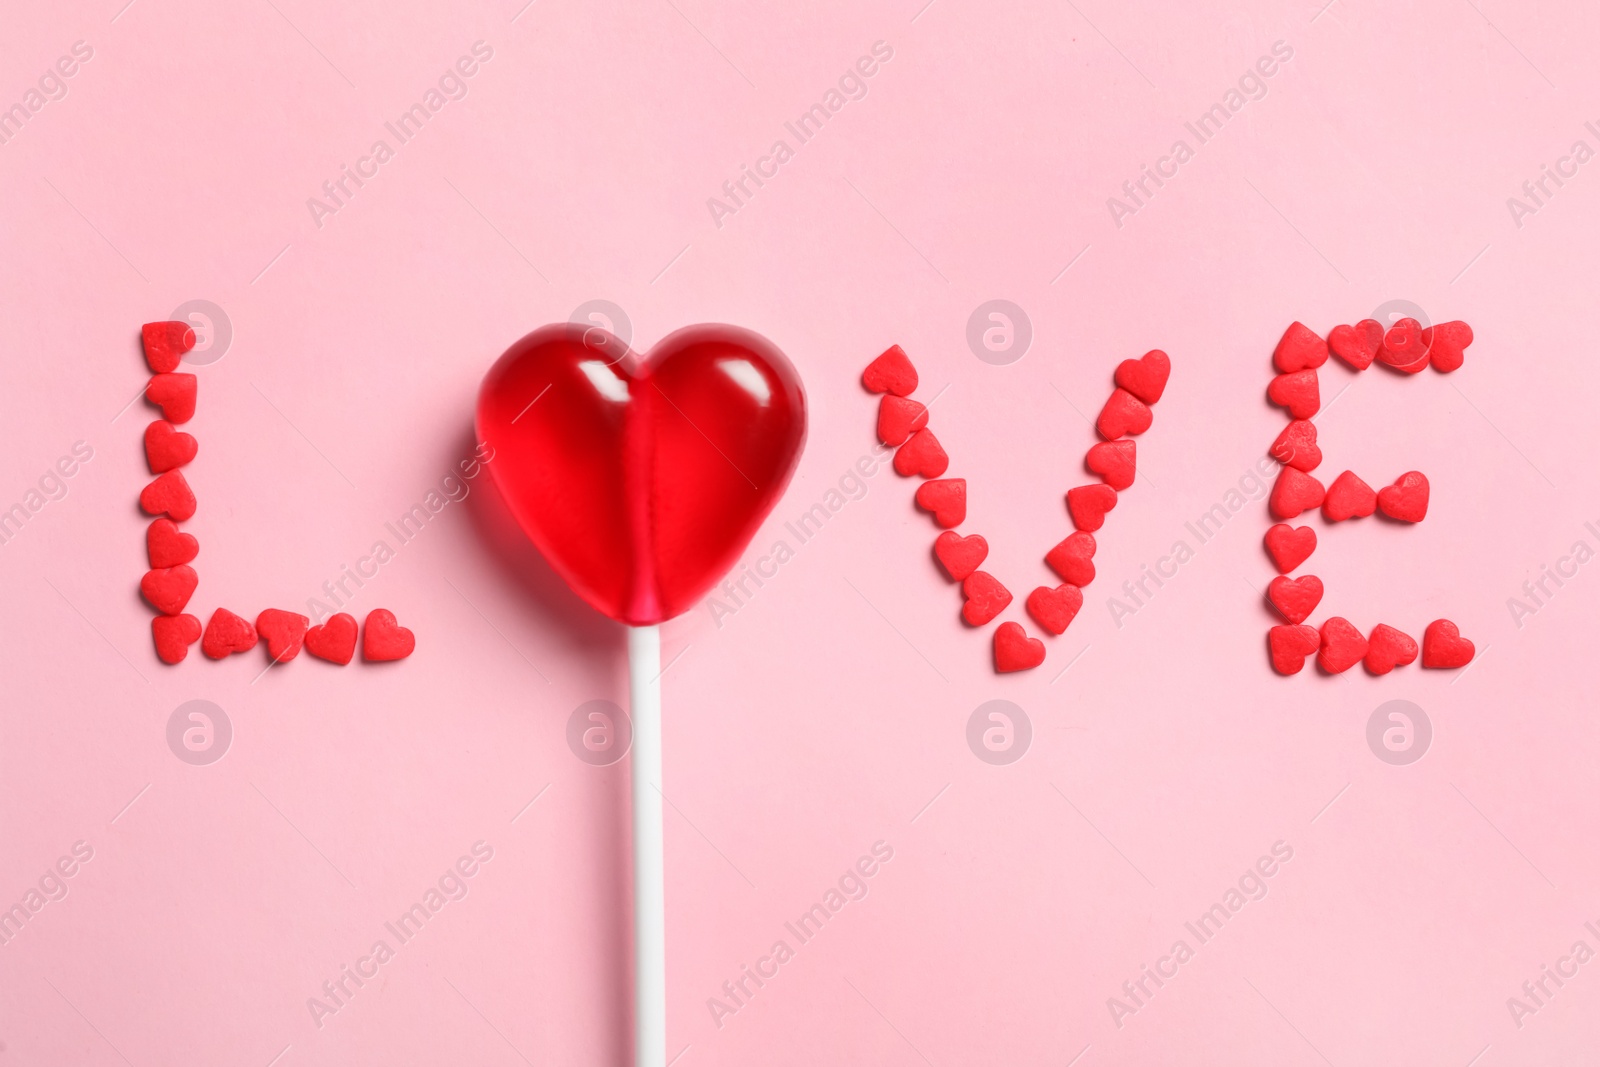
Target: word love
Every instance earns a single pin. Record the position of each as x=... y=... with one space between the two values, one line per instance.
x=903 y=424
x=171 y=581
x=1407 y=347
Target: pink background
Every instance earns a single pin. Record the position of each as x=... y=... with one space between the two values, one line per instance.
x=831 y=709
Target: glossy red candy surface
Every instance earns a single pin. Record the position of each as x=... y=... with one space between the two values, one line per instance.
x=642 y=478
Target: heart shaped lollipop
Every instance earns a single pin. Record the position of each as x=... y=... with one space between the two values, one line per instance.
x=642 y=478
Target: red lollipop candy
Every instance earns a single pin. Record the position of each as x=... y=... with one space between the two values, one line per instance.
x=642 y=478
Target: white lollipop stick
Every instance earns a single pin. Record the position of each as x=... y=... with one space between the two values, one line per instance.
x=649 y=859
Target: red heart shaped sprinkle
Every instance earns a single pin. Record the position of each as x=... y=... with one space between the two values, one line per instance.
x=1113 y=461
x=1342 y=646
x=1073 y=559
x=1145 y=377
x=1290 y=645
x=1403 y=347
x=170 y=495
x=1054 y=609
x=284 y=632
x=1299 y=349
x=986 y=597
x=1088 y=505
x=960 y=556
x=1348 y=497
x=1297 y=392
x=1389 y=648
x=923 y=455
x=174 y=394
x=168 y=589
x=1357 y=345
x=946 y=498
x=1123 y=414
x=1294 y=491
x=1407 y=499
x=1297 y=447
x=1443 y=647
x=168 y=546
x=1446 y=344
x=226 y=634
x=1295 y=598
x=334 y=640
x=1289 y=547
x=899 y=418
x=166 y=448
x=891 y=372
x=383 y=639
x=1413 y=368
x=1014 y=650
x=165 y=343
x=173 y=635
